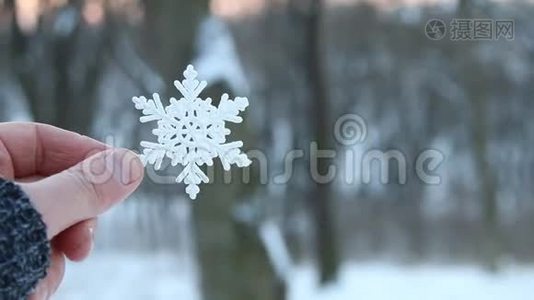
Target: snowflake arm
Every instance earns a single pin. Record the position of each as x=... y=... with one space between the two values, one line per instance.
x=191 y=131
x=152 y=109
x=229 y=110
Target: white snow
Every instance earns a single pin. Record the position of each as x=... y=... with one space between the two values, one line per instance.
x=277 y=250
x=161 y=277
x=379 y=281
x=218 y=58
x=113 y=276
x=13 y=104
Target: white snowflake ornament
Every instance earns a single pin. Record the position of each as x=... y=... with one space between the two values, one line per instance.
x=191 y=131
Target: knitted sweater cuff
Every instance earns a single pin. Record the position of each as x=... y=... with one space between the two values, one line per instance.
x=24 y=246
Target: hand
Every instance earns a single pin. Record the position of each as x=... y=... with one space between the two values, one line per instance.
x=71 y=180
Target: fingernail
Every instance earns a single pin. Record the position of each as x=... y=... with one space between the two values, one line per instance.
x=128 y=168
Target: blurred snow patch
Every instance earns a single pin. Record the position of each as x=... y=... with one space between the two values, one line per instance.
x=162 y=277
x=13 y=103
x=112 y=276
x=218 y=59
x=385 y=282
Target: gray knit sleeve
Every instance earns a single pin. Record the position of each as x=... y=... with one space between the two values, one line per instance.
x=24 y=247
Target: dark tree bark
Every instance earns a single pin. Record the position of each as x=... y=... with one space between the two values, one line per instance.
x=320 y=198
x=234 y=263
x=169 y=34
x=476 y=79
x=59 y=70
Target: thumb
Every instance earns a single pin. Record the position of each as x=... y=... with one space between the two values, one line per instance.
x=85 y=190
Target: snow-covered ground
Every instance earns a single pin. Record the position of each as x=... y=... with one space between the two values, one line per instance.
x=162 y=277
x=129 y=276
x=386 y=282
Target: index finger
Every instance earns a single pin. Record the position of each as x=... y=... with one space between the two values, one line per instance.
x=32 y=149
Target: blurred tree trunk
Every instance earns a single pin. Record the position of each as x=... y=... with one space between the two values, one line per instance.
x=476 y=84
x=233 y=259
x=35 y=72
x=321 y=202
x=59 y=68
x=234 y=263
x=476 y=79
x=169 y=34
x=487 y=184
